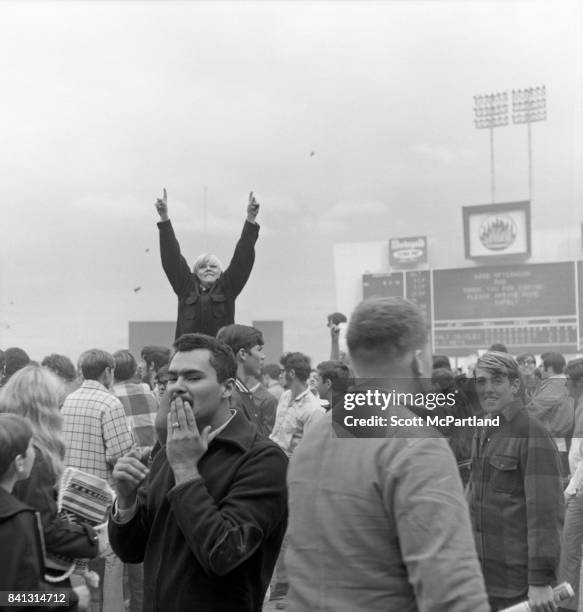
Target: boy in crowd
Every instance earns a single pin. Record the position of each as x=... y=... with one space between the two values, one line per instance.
x=21 y=564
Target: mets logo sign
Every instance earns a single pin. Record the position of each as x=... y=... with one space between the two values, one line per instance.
x=498 y=232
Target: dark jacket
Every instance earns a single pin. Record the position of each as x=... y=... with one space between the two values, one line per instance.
x=516 y=503
x=553 y=407
x=200 y=310
x=21 y=562
x=61 y=537
x=258 y=406
x=210 y=544
x=266 y=409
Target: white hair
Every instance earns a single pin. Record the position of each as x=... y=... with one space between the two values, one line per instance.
x=207 y=258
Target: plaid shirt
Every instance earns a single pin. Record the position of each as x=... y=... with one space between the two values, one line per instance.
x=140 y=407
x=95 y=430
x=516 y=503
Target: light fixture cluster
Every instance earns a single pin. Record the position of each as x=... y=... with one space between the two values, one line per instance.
x=528 y=105
x=491 y=110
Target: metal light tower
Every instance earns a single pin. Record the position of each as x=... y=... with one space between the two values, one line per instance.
x=491 y=112
x=529 y=105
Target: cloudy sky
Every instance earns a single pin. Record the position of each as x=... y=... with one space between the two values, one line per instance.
x=103 y=104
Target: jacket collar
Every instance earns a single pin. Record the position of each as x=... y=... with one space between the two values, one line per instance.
x=512 y=409
x=241 y=386
x=94 y=384
x=239 y=431
x=199 y=289
x=304 y=393
x=10 y=505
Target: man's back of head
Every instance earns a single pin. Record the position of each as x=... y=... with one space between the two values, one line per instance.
x=94 y=363
x=240 y=337
x=553 y=363
x=338 y=375
x=125 y=366
x=15 y=359
x=441 y=362
x=157 y=355
x=61 y=365
x=385 y=333
x=498 y=347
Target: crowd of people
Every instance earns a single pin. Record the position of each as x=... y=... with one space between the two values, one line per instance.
x=238 y=488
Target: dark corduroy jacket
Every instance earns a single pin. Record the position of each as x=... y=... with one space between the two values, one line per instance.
x=516 y=503
x=210 y=544
x=199 y=310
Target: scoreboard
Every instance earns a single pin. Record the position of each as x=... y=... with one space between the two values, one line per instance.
x=527 y=307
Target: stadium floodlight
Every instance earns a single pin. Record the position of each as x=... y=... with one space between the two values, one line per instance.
x=528 y=106
x=491 y=111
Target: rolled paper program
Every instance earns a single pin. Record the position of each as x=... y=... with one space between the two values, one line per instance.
x=561 y=592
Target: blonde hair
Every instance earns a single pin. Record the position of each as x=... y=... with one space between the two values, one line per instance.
x=35 y=393
x=206 y=258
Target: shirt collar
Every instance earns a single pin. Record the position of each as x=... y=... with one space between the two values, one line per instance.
x=301 y=395
x=94 y=384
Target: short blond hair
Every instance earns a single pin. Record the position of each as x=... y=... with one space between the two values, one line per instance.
x=207 y=258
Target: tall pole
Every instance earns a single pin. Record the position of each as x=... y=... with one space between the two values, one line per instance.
x=492 y=173
x=529 y=105
x=529 y=161
x=491 y=112
x=204 y=217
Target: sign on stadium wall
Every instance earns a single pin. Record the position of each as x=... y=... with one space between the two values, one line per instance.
x=407 y=252
x=497 y=230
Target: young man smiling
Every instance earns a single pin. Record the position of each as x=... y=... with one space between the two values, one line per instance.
x=213 y=512
x=515 y=493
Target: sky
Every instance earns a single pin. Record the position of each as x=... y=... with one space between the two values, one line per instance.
x=349 y=121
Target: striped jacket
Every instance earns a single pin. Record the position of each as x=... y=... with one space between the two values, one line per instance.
x=516 y=503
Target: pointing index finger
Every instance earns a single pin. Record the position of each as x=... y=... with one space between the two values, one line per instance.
x=164 y=195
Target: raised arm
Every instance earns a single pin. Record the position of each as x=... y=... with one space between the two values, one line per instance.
x=335 y=342
x=174 y=264
x=237 y=273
